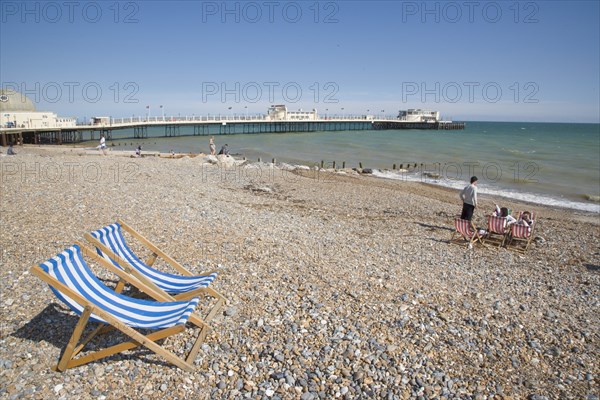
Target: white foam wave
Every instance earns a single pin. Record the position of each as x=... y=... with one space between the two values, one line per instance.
x=493 y=191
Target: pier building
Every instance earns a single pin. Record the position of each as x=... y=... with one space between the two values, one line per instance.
x=280 y=112
x=18 y=114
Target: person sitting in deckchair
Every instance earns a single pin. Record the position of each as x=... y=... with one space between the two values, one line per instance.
x=503 y=213
x=526 y=220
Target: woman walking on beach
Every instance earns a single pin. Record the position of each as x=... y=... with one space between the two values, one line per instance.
x=211 y=143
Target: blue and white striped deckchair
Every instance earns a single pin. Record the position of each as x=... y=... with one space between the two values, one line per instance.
x=72 y=281
x=111 y=245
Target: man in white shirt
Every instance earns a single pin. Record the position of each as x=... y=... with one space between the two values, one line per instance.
x=469 y=197
x=102 y=146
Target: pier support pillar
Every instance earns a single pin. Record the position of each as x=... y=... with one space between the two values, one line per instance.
x=140 y=132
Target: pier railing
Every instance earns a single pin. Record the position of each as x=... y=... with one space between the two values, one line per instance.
x=212 y=125
x=159 y=120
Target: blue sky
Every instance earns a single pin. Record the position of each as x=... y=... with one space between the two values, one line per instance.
x=480 y=60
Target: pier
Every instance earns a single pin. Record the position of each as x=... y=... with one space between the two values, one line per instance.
x=438 y=125
x=209 y=125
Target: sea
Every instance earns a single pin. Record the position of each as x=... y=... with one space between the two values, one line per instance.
x=555 y=164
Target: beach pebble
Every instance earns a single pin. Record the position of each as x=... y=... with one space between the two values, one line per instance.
x=337 y=286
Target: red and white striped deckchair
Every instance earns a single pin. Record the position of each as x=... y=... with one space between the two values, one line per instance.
x=521 y=233
x=465 y=231
x=497 y=230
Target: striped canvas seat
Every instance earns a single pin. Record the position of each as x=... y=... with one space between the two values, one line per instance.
x=70 y=269
x=73 y=282
x=497 y=230
x=496 y=224
x=520 y=231
x=521 y=235
x=110 y=244
x=111 y=237
x=464 y=229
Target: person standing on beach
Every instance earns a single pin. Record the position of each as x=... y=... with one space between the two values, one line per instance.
x=469 y=197
x=224 y=150
x=102 y=146
x=211 y=143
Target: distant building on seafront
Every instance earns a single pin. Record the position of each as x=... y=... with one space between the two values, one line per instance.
x=280 y=112
x=102 y=121
x=18 y=111
x=418 y=115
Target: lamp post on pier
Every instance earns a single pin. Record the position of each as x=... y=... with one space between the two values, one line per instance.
x=162 y=110
x=147 y=113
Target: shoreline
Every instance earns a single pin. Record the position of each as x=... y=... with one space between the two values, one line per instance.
x=592 y=207
x=526 y=173
x=338 y=285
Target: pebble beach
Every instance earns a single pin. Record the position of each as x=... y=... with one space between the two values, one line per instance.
x=339 y=284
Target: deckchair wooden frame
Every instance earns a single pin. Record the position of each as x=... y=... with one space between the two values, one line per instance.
x=142 y=280
x=493 y=235
x=470 y=240
x=74 y=346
